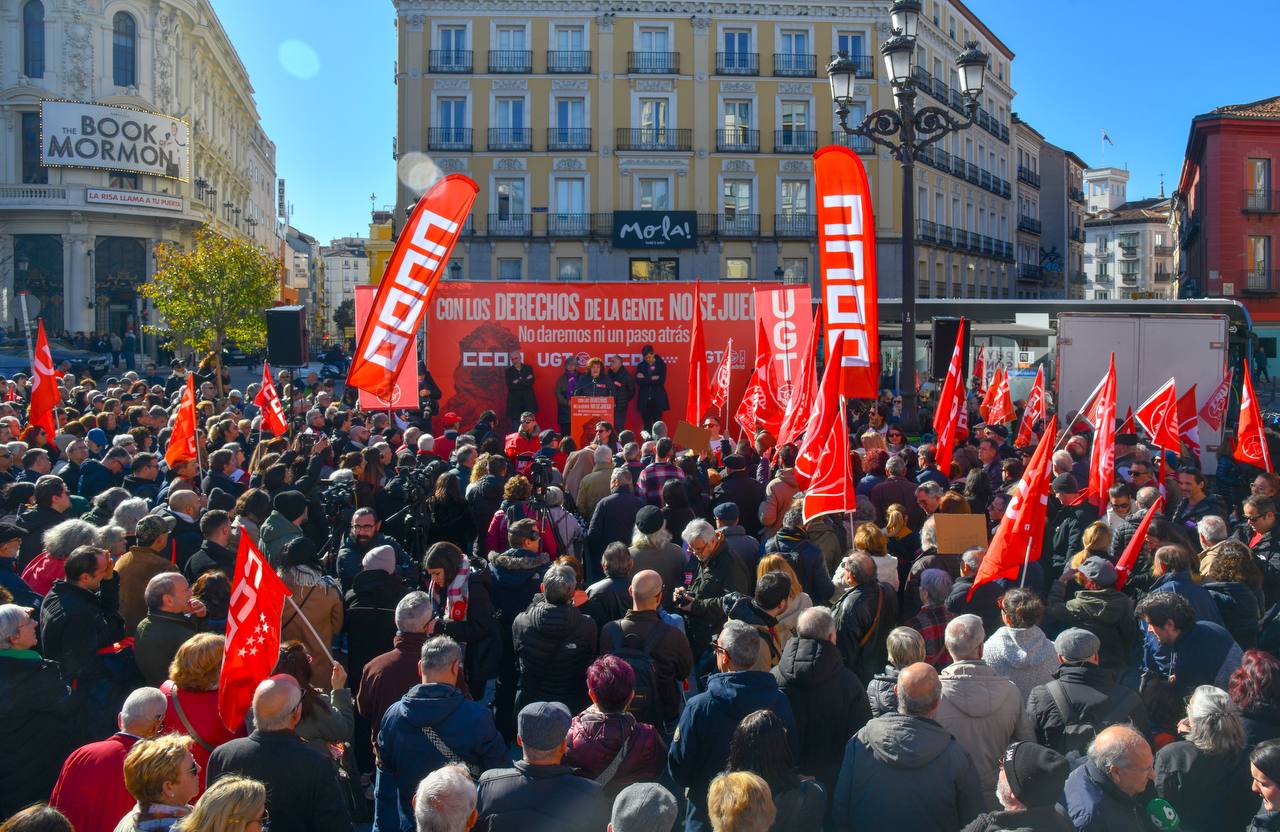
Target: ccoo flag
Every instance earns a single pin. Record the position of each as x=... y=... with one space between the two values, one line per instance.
x=1251 y=442
x=253 y=632
x=1033 y=412
x=1158 y=415
x=44 y=387
x=1102 y=456
x=830 y=486
x=951 y=406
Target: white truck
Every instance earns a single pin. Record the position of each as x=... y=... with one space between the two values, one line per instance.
x=1150 y=349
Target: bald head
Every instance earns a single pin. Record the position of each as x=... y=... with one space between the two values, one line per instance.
x=187 y=502
x=646 y=590
x=1124 y=755
x=275 y=703
x=919 y=690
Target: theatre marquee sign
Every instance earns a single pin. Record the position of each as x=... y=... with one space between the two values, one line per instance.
x=78 y=135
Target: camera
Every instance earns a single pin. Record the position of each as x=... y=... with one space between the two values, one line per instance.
x=540 y=473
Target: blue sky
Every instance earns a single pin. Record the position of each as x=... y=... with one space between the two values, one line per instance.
x=322 y=72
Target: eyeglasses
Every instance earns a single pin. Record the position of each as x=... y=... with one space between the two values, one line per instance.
x=194 y=770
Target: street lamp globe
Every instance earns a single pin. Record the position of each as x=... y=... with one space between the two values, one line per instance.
x=905 y=15
x=841 y=73
x=972 y=65
x=897 y=52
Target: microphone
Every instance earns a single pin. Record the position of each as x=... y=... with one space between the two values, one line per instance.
x=1162 y=815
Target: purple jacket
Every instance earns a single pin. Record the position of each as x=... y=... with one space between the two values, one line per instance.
x=596 y=738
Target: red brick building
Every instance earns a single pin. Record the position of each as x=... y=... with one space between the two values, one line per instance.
x=1226 y=211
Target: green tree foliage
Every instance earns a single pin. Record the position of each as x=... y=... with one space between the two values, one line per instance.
x=214 y=292
x=345 y=315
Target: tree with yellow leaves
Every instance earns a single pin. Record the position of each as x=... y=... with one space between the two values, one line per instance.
x=215 y=292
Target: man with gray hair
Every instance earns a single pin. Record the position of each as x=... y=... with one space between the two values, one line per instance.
x=173 y=616
x=904 y=770
x=446 y=801
x=1109 y=791
x=864 y=615
x=555 y=643
x=302 y=783
x=720 y=572
x=614 y=516
x=609 y=598
x=982 y=710
x=897 y=489
x=986 y=598
x=90 y=790
x=432 y=725
x=932 y=619
x=829 y=701
x=700 y=747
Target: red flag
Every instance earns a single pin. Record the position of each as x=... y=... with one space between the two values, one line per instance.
x=720 y=381
x=1128 y=426
x=760 y=406
x=1158 y=416
x=989 y=396
x=182 y=441
x=962 y=420
x=409 y=280
x=980 y=369
x=272 y=411
x=1189 y=422
x=1102 y=456
x=1018 y=539
x=951 y=403
x=1002 y=406
x=829 y=482
x=253 y=632
x=847 y=258
x=699 y=384
x=1033 y=412
x=784 y=319
x=802 y=393
x=44 y=386
x=1251 y=443
x=1125 y=565
x=1216 y=405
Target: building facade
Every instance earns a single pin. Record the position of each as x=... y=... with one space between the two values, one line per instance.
x=698 y=116
x=122 y=124
x=1129 y=251
x=1030 y=276
x=1226 y=212
x=345 y=265
x=1061 y=223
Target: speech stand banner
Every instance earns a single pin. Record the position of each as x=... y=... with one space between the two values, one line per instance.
x=584 y=413
x=472 y=327
x=404 y=393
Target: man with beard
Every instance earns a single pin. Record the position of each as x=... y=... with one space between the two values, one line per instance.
x=366 y=534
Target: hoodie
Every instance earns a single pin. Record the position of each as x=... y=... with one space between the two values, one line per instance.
x=984 y=712
x=738 y=607
x=1024 y=656
x=1107 y=613
x=905 y=772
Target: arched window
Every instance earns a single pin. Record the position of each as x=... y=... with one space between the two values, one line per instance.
x=124 y=42
x=33 y=39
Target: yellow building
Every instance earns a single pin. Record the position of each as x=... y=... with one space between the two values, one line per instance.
x=705 y=113
x=380 y=244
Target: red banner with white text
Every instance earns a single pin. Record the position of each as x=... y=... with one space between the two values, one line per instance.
x=404 y=391
x=472 y=327
x=786 y=316
x=847 y=259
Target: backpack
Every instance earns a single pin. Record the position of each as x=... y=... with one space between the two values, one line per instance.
x=1076 y=736
x=644 y=706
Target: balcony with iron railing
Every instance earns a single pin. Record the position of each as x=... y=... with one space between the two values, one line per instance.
x=568 y=138
x=449 y=138
x=653 y=63
x=579 y=225
x=737 y=140
x=444 y=61
x=1129 y=277
x=1077 y=234
x=729 y=225
x=1128 y=250
x=654 y=138
x=1163 y=251
x=789 y=65
x=510 y=138
x=1076 y=195
x=510 y=225
x=1031 y=226
x=1026 y=174
x=1030 y=272
x=510 y=61
x=864 y=66
x=858 y=144
x=1261 y=202
x=1163 y=275
x=804 y=226
x=795 y=141
x=571 y=62
x=1262 y=281
x=737 y=63
x=1103 y=276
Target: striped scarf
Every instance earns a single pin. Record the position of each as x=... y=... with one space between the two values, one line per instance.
x=455 y=604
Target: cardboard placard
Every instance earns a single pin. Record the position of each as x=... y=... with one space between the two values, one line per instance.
x=584 y=413
x=692 y=437
x=958 y=533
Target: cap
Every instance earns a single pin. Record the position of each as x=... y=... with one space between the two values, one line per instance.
x=548 y=436
x=1036 y=774
x=999 y=430
x=98 y=436
x=10 y=531
x=542 y=726
x=451 y=418
x=151 y=526
x=290 y=503
x=1065 y=484
x=1076 y=644
x=1099 y=570
x=380 y=557
x=644 y=807
x=649 y=519
x=727 y=512
x=735 y=462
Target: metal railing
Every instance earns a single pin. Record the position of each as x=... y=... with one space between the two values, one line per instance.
x=737 y=140
x=653 y=63
x=1163 y=251
x=788 y=65
x=568 y=138
x=737 y=225
x=510 y=61
x=510 y=225
x=795 y=141
x=858 y=144
x=1076 y=195
x=1128 y=249
x=450 y=60
x=510 y=138
x=449 y=138
x=562 y=61
x=1028 y=224
x=795 y=225
x=1026 y=174
x=1030 y=271
x=653 y=138
x=1262 y=201
x=579 y=225
x=737 y=63
x=1261 y=280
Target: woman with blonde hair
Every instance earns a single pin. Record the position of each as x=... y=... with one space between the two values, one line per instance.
x=164 y=777
x=1096 y=540
x=740 y=801
x=799 y=599
x=192 y=694
x=230 y=805
x=871 y=539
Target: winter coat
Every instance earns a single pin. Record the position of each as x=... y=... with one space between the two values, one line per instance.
x=1261 y=723
x=596 y=738
x=777 y=499
x=746 y=547
x=745 y=491
x=516 y=575
x=36 y=521
x=136 y=568
x=554 y=644
x=453 y=522
x=160 y=635
x=321 y=603
x=613 y=521
x=369 y=617
x=406 y=754
x=983 y=710
x=1107 y=613
x=672 y=659
x=276 y=531
x=831 y=539
x=700 y=747
x=651 y=391
x=90 y=791
x=1183 y=584
x=201 y=709
x=35 y=728
x=302 y=783
x=1210 y=791
x=807 y=561
x=1040 y=819
x=897 y=490
x=882 y=691
x=351 y=555
x=1188 y=515
x=1204 y=655
x=1265 y=821
x=43 y=572
x=479 y=632
x=23 y=594
x=1093 y=696
x=905 y=772
x=586 y=385
x=484 y=496
x=536 y=798
x=801 y=807
x=208 y=558
x=864 y=617
x=96 y=478
x=985 y=603
x=1238 y=605
x=720 y=574
x=1069 y=523
x=74 y=624
x=738 y=607
x=1024 y=656
x=829 y=703
x=387 y=678
x=520 y=396
x=608 y=600
x=786 y=626
x=670 y=562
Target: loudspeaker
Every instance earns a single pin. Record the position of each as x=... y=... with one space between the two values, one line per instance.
x=944 y=342
x=287 y=336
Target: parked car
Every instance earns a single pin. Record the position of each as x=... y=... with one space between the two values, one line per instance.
x=14 y=358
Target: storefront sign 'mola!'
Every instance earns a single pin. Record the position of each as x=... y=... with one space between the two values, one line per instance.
x=77 y=135
x=655 y=229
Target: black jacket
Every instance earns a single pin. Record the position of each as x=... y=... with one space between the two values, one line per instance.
x=1187 y=515
x=35 y=710
x=555 y=644
x=1069 y=523
x=96 y=478
x=350 y=555
x=75 y=623
x=36 y=521
x=651 y=390
x=531 y=798
x=608 y=600
x=672 y=659
x=1107 y=613
x=479 y=631
x=148 y=490
x=1261 y=723
x=1042 y=819
x=302 y=783
x=214 y=480
x=1209 y=791
x=985 y=603
x=369 y=617
x=829 y=702
x=1093 y=696
x=185 y=539
x=747 y=492
x=519 y=391
x=209 y=557
x=613 y=521
x=1240 y=608
x=864 y=616
x=719 y=575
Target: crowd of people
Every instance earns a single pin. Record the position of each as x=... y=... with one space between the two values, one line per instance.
x=494 y=626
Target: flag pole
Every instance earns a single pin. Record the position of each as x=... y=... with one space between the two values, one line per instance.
x=311 y=628
x=1026 y=561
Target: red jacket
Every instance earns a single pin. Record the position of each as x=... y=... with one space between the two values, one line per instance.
x=90 y=790
x=42 y=572
x=201 y=709
x=517 y=444
x=596 y=738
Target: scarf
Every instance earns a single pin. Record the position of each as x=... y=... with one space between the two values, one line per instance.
x=455 y=603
